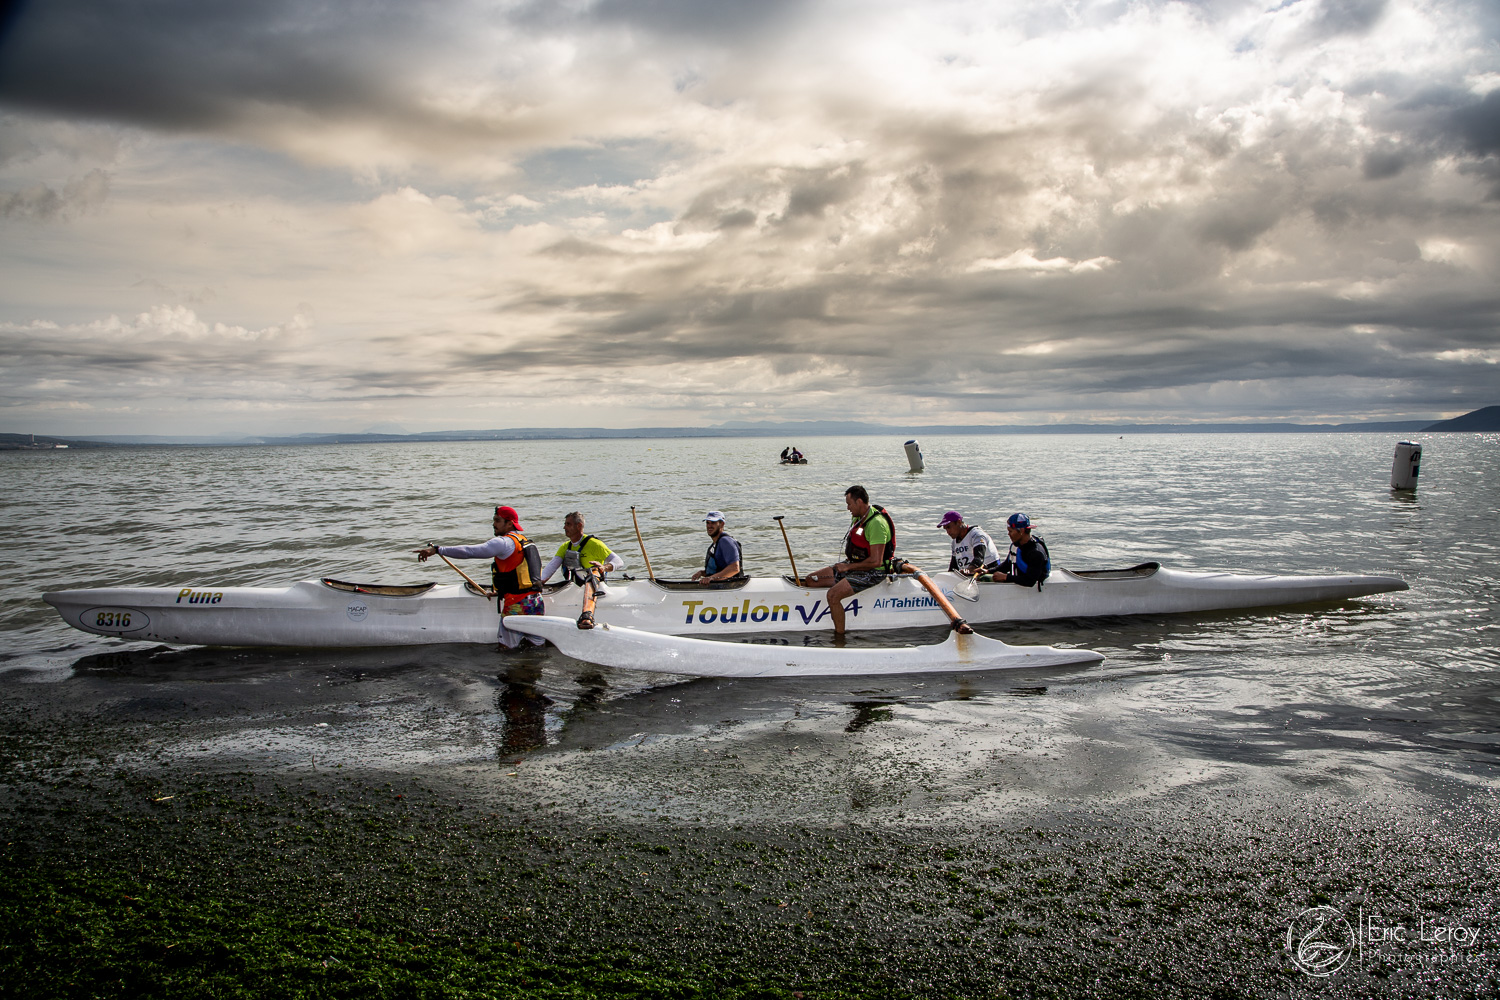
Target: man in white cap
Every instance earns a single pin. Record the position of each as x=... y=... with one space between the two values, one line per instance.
x=722 y=561
x=974 y=551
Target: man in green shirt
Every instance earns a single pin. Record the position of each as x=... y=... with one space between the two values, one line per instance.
x=868 y=547
x=580 y=552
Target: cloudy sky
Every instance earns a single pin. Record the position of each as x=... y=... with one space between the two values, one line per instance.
x=290 y=215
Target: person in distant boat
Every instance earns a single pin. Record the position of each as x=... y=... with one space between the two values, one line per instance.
x=786 y=453
x=974 y=552
x=722 y=561
x=581 y=553
x=869 y=545
x=1028 y=562
x=515 y=570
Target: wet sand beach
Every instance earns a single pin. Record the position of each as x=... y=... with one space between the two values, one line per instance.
x=976 y=836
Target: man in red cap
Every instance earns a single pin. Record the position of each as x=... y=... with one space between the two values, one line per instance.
x=516 y=570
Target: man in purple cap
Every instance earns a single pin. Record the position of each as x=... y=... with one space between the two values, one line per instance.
x=974 y=552
x=1028 y=562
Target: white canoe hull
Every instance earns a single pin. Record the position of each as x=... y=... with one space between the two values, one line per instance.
x=327 y=613
x=632 y=649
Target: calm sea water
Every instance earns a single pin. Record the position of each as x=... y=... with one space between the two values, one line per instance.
x=1403 y=686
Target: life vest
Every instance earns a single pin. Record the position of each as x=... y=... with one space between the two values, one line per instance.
x=521 y=571
x=1022 y=567
x=711 y=564
x=856 y=549
x=573 y=559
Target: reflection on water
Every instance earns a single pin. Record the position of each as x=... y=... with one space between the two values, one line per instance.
x=867 y=713
x=523 y=710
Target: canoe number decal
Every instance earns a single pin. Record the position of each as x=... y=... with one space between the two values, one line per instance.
x=114 y=619
x=357 y=612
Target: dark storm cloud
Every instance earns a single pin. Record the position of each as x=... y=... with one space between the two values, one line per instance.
x=1478 y=125
x=722 y=21
x=1345 y=17
x=259 y=66
x=1106 y=339
x=182 y=64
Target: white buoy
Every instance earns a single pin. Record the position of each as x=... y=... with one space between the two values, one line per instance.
x=1406 y=466
x=914 y=455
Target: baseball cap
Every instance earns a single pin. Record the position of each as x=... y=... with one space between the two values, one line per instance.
x=1018 y=521
x=509 y=513
x=952 y=517
x=713 y=515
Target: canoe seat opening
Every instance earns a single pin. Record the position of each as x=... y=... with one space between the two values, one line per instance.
x=1130 y=573
x=379 y=589
x=547 y=589
x=733 y=583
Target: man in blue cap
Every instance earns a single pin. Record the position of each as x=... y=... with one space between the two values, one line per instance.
x=722 y=561
x=1028 y=562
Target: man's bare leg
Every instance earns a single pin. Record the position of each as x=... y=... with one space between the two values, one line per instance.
x=836 y=597
x=824 y=577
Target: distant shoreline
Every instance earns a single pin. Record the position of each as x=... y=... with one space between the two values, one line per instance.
x=1485 y=419
x=48 y=443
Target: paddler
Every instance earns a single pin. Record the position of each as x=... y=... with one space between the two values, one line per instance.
x=722 y=561
x=868 y=546
x=1028 y=562
x=974 y=552
x=515 y=571
x=581 y=553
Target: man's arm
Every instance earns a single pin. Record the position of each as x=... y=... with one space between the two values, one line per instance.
x=499 y=547
x=727 y=549
x=1027 y=568
x=871 y=561
x=551 y=568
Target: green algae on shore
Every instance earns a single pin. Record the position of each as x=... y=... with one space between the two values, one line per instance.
x=126 y=883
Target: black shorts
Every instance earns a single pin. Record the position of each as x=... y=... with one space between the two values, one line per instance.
x=862 y=579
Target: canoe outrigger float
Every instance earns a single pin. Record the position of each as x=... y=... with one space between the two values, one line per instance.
x=633 y=649
x=334 y=613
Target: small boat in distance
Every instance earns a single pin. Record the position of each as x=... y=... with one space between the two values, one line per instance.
x=331 y=612
x=791 y=456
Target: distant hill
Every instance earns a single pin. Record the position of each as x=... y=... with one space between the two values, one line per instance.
x=1484 y=419
x=41 y=442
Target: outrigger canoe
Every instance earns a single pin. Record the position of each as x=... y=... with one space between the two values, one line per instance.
x=335 y=613
x=632 y=649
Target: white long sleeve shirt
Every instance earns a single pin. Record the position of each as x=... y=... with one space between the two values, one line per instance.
x=499 y=547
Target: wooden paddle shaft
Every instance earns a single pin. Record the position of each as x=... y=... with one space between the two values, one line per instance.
x=789 y=555
x=937 y=595
x=466 y=576
x=642 y=544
